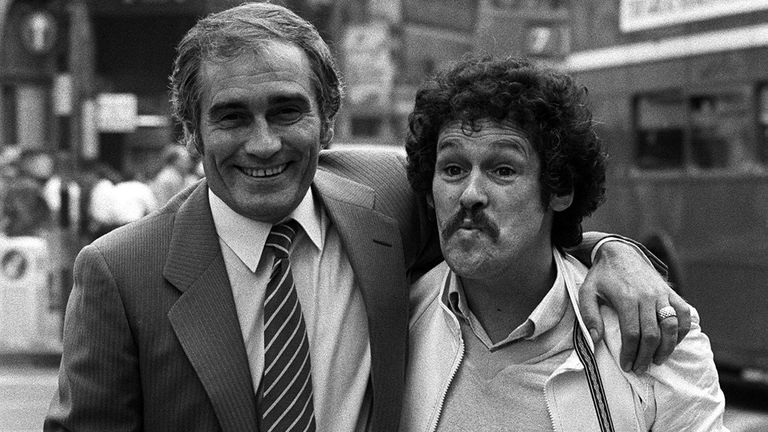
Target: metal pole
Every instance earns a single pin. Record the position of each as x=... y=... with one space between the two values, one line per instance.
x=82 y=70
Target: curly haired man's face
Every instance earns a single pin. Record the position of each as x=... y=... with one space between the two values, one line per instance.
x=487 y=198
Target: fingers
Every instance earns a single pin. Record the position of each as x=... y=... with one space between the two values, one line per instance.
x=629 y=324
x=669 y=330
x=590 y=310
x=649 y=337
x=683 y=311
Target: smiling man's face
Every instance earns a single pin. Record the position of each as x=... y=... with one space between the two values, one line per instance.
x=487 y=197
x=261 y=130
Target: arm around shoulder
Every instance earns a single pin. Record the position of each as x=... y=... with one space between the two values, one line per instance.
x=99 y=385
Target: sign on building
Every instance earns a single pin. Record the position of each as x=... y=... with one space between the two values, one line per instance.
x=645 y=14
x=546 y=40
x=368 y=64
x=117 y=112
x=30 y=309
x=39 y=32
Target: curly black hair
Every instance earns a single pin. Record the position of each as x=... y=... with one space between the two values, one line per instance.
x=547 y=104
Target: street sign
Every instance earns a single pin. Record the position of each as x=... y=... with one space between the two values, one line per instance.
x=39 y=32
x=117 y=112
x=30 y=315
x=368 y=65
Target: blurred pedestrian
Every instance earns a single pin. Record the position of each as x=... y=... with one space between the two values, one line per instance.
x=132 y=200
x=174 y=176
x=63 y=193
x=25 y=211
x=98 y=181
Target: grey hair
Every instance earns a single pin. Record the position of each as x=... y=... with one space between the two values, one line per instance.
x=246 y=29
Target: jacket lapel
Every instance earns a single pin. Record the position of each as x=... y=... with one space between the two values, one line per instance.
x=373 y=246
x=204 y=318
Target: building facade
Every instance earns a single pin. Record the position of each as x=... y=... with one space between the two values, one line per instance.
x=90 y=77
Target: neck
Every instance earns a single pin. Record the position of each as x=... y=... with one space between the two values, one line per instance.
x=502 y=304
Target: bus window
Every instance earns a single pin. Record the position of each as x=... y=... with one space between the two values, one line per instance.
x=660 y=124
x=763 y=119
x=720 y=131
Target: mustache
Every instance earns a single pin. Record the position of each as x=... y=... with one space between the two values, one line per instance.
x=479 y=220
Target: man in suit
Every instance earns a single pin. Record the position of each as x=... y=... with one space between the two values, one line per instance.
x=171 y=321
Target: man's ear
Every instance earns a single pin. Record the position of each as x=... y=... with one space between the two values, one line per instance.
x=559 y=203
x=326 y=135
x=431 y=201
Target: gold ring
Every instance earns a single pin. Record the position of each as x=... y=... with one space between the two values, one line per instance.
x=666 y=312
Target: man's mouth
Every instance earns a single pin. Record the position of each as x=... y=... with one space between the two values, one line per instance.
x=470 y=221
x=468 y=225
x=264 y=172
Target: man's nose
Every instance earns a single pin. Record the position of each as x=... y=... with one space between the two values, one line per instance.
x=474 y=194
x=263 y=141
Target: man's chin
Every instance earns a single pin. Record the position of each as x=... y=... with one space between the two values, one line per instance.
x=467 y=265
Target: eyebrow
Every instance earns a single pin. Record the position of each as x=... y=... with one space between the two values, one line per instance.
x=501 y=143
x=287 y=98
x=447 y=143
x=280 y=99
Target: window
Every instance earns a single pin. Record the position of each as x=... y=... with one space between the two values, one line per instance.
x=763 y=122
x=707 y=130
x=660 y=124
x=719 y=130
x=8 y=115
x=24 y=115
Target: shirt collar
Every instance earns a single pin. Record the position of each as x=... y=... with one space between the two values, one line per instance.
x=246 y=237
x=544 y=317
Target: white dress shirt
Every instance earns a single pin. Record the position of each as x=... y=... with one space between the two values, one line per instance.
x=331 y=303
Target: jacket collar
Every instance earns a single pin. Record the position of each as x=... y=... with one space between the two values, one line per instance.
x=204 y=318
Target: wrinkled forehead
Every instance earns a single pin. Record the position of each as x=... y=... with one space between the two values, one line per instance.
x=482 y=129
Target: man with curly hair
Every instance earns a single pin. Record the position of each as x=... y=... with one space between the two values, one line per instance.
x=506 y=155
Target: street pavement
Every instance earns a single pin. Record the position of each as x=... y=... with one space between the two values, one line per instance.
x=26 y=388
x=25 y=392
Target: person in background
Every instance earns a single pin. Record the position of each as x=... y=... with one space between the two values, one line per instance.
x=63 y=192
x=273 y=295
x=24 y=210
x=131 y=199
x=100 y=180
x=506 y=154
x=174 y=176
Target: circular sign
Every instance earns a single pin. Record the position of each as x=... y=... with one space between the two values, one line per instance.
x=13 y=265
x=38 y=32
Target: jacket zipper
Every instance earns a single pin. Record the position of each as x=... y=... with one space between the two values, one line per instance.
x=455 y=370
x=549 y=408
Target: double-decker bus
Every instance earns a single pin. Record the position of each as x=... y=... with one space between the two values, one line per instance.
x=680 y=92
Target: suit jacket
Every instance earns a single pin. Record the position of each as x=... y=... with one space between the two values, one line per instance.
x=151 y=335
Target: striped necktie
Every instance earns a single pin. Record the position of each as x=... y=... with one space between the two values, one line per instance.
x=286 y=385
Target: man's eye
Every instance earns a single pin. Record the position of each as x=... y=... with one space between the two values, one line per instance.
x=452 y=170
x=287 y=115
x=230 y=120
x=504 y=171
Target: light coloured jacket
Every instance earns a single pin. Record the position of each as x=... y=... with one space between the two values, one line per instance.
x=683 y=394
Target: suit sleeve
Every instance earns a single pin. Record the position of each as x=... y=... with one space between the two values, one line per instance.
x=686 y=387
x=99 y=385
